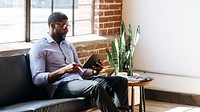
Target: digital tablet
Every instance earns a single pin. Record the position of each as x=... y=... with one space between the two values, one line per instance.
x=91 y=61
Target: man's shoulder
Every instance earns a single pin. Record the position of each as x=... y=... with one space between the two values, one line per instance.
x=41 y=41
x=39 y=44
x=46 y=38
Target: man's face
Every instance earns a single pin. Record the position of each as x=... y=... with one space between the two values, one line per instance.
x=61 y=29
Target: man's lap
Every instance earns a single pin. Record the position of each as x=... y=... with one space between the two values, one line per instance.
x=83 y=88
x=75 y=88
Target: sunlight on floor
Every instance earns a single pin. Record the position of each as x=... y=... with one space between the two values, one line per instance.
x=184 y=109
x=156 y=106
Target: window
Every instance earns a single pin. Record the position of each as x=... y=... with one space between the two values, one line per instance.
x=13 y=21
x=40 y=10
x=79 y=13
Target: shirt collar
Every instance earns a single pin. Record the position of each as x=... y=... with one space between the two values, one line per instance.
x=49 y=38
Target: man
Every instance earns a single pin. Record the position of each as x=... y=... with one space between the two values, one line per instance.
x=55 y=64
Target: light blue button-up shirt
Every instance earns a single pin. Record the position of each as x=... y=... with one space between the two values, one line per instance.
x=47 y=56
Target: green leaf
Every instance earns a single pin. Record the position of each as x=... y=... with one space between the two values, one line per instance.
x=115 y=53
x=136 y=39
x=137 y=35
x=122 y=51
x=129 y=40
x=110 y=60
x=122 y=28
x=122 y=43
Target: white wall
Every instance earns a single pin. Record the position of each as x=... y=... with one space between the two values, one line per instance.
x=169 y=44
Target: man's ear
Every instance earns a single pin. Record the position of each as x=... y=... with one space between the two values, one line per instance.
x=52 y=25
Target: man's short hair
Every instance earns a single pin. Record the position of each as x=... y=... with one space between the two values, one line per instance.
x=56 y=17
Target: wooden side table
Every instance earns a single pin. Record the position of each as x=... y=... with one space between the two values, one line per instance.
x=142 y=94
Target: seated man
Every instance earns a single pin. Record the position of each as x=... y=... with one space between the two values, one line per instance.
x=55 y=64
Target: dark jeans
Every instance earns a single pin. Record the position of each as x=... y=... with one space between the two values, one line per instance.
x=104 y=90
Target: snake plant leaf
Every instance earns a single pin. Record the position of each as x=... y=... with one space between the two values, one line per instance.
x=122 y=39
x=122 y=51
x=115 y=46
x=129 y=63
x=126 y=61
x=122 y=60
x=115 y=53
x=122 y=28
x=109 y=58
x=122 y=42
x=129 y=40
x=136 y=36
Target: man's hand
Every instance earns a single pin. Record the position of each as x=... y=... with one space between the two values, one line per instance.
x=72 y=68
x=97 y=67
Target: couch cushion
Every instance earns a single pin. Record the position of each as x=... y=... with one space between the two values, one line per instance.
x=15 y=80
x=52 y=105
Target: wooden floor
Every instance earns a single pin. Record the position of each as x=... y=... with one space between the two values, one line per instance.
x=155 y=106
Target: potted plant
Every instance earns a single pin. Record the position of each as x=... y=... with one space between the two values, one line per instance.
x=122 y=51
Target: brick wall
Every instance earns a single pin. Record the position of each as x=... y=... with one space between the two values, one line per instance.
x=107 y=17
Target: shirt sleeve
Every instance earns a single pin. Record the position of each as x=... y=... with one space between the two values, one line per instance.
x=37 y=66
x=76 y=59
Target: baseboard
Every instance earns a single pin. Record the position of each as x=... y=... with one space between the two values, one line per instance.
x=172 y=97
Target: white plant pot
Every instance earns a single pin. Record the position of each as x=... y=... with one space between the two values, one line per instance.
x=122 y=74
x=136 y=95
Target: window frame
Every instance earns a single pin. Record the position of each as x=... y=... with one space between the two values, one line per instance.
x=27 y=11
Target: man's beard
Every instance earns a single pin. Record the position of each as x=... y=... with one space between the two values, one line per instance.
x=60 y=36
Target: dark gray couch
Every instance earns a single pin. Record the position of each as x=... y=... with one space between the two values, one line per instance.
x=18 y=93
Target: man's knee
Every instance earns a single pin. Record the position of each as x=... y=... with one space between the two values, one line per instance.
x=97 y=89
x=122 y=79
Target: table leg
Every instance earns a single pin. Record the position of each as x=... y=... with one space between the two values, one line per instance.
x=143 y=98
x=141 y=85
x=140 y=105
x=132 y=99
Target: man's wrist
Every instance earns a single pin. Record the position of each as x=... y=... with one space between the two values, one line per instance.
x=94 y=72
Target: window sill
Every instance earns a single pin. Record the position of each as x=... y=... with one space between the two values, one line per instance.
x=8 y=49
